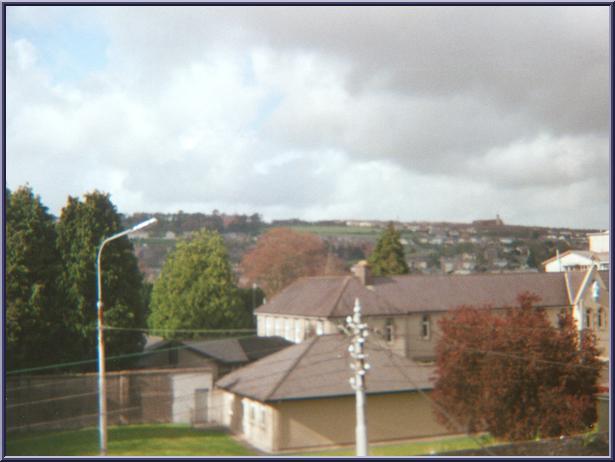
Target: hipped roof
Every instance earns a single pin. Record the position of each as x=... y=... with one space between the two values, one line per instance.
x=334 y=296
x=319 y=368
x=230 y=350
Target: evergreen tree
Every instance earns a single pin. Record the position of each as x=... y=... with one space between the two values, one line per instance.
x=81 y=229
x=33 y=318
x=196 y=289
x=388 y=257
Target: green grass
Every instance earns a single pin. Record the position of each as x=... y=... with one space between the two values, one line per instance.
x=417 y=448
x=338 y=230
x=128 y=440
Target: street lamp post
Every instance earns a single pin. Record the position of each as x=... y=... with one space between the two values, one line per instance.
x=102 y=387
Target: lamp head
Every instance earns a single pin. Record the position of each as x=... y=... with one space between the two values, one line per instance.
x=151 y=221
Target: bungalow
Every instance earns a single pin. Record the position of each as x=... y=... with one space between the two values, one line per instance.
x=301 y=397
x=404 y=310
x=201 y=363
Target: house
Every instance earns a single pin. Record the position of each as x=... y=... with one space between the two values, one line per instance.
x=301 y=397
x=192 y=367
x=597 y=255
x=222 y=355
x=404 y=310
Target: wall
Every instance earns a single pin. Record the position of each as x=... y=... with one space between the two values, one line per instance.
x=71 y=401
x=599 y=242
x=184 y=405
x=330 y=421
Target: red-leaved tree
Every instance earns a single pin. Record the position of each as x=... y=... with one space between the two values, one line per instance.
x=282 y=255
x=514 y=374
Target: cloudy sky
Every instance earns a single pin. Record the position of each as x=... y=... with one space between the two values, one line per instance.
x=409 y=113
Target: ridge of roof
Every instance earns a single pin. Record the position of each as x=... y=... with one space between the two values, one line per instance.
x=291 y=368
x=339 y=295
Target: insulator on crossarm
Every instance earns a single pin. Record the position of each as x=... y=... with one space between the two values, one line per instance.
x=366 y=366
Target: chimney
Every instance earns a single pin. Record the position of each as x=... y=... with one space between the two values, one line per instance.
x=363 y=272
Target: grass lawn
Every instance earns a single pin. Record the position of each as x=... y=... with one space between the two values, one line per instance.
x=431 y=447
x=128 y=440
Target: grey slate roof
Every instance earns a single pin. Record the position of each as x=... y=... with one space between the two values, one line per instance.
x=334 y=296
x=229 y=350
x=319 y=367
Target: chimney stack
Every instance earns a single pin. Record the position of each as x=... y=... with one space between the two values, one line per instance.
x=363 y=272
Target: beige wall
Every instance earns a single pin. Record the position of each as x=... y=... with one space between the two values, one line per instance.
x=298 y=424
x=331 y=421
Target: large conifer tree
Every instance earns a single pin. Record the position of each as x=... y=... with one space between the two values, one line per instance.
x=81 y=229
x=388 y=257
x=34 y=318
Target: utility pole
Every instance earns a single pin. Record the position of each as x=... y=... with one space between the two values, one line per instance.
x=358 y=333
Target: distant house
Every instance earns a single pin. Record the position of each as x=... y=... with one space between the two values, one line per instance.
x=597 y=255
x=301 y=398
x=405 y=310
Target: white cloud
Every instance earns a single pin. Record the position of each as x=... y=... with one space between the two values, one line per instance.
x=435 y=113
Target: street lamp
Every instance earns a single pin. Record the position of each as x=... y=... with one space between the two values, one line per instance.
x=102 y=388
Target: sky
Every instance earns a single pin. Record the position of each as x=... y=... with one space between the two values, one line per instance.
x=411 y=113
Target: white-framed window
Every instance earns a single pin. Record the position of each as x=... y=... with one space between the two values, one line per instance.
x=288 y=329
x=298 y=336
x=261 y=418
x=320 y=327
x=277 y=327
x=425 y=327
x=268 y=326
x=389 y=330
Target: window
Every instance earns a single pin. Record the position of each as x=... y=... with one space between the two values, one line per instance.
x=600 y=318
x=588 y=318
x=298 y=338
x=268 y=327
x=425 y=327
x=288 y=330
x=389 y=330
x=320 y=328
x=277 y=327
x=261 y=418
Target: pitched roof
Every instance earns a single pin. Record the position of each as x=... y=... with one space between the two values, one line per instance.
x=319 y=367
x=229 y=350
x=588 y=254
x=334 y=296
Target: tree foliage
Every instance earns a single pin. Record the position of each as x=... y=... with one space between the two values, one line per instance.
x=282 y=255
x=388 y=257
x=515 y=375
x=81 y=229
x=196 y=289
x=34 y=321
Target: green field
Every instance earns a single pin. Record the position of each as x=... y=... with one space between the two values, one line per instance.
x=417 y=448
x=338 y=230
x=128 y=440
